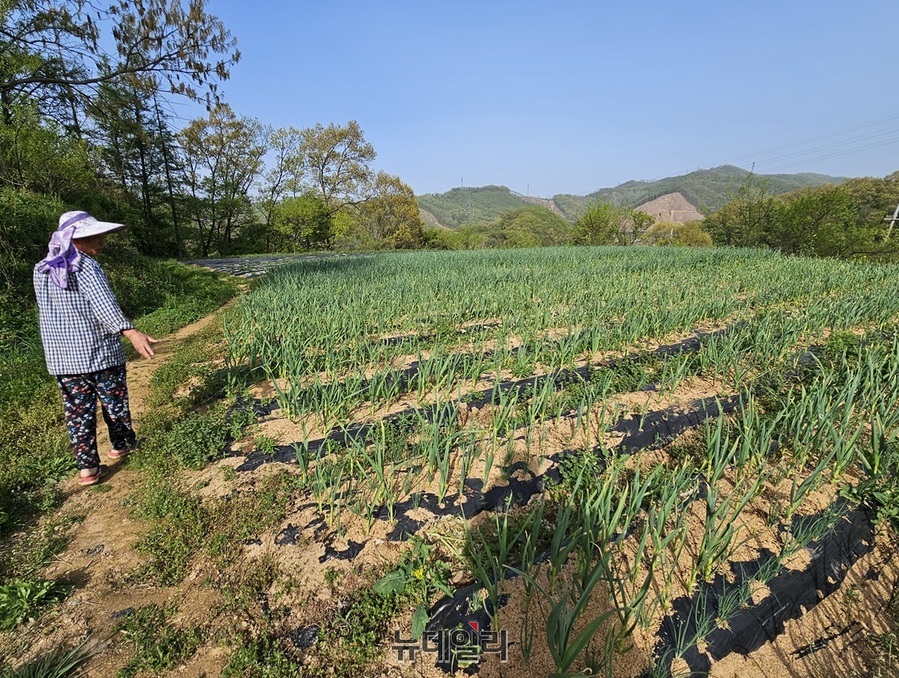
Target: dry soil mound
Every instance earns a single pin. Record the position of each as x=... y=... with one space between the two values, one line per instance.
x=671 y=207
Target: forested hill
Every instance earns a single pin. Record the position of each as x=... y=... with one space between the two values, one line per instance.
x=476 y=206
x=709 y=190
x=706 y=189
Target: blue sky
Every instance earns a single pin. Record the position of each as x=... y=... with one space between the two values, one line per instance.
x=568 y=97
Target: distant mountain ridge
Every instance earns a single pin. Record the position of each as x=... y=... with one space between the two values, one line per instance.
x=702 y=191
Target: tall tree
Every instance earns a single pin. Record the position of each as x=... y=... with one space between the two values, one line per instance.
x=284 y=176
x=59 y=47
x=223 y=156
x=875 y=202
x=600 y=224
x=817 y=221
x=632 y=226
x=37 y=156
x=846 y=221
x=337 y=160
x=305 y=220
x=139 y=154
x=747 y=219
x=391 y=214
x=173 y=169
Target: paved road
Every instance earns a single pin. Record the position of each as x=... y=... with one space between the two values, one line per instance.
x=253 y=267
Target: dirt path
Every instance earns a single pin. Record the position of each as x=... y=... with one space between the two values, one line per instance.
x=101 y=556
x=140 y=370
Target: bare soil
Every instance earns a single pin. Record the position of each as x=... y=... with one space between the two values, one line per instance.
x=671 y=207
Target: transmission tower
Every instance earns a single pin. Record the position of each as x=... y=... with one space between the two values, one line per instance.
x=892 y=221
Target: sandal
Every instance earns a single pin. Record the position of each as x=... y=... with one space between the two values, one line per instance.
x=121 y=454
x=94 y=478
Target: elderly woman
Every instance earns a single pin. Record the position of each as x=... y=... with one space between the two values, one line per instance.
x=81 y=328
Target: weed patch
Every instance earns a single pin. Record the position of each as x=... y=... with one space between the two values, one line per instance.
x=57 y=664
x=34 y=455
x=157 y=644
x=182 y=525
x=178 y=526
x=244 y=515
x=29 y=551
x=189 y=370
x=262 y=657
x=21 y=600
x=352 y=638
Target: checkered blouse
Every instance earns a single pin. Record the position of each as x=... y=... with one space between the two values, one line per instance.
x=81 y=325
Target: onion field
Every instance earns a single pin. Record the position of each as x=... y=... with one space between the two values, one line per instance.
x=632 y=461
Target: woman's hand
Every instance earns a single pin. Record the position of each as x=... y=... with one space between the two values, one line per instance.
x=141 y=342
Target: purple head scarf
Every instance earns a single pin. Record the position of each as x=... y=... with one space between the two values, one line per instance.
x=62 y=256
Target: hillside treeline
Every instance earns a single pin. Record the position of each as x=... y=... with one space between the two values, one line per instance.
x=708 y=190
x=86 y=122
x=602 y=224
x=851 y=220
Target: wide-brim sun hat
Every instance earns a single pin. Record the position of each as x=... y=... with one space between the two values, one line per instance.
x=85 y=225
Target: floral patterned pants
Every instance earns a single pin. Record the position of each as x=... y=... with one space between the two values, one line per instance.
x=79 y=397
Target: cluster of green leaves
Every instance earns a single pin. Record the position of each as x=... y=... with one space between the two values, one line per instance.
x=691 y=234
x=349 y=641
x=195 y=439
x=352 y=638
x=420 y=575
x=24 y=222
x=630 y=374
x=25 y=599
x=878 y=488
x=606 y=224
x=178 y=526
x=60 y=663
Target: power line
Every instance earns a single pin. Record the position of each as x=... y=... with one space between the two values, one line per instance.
x=833 y=155
x=828 y=147
x=825 y=148
x=774 y=149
